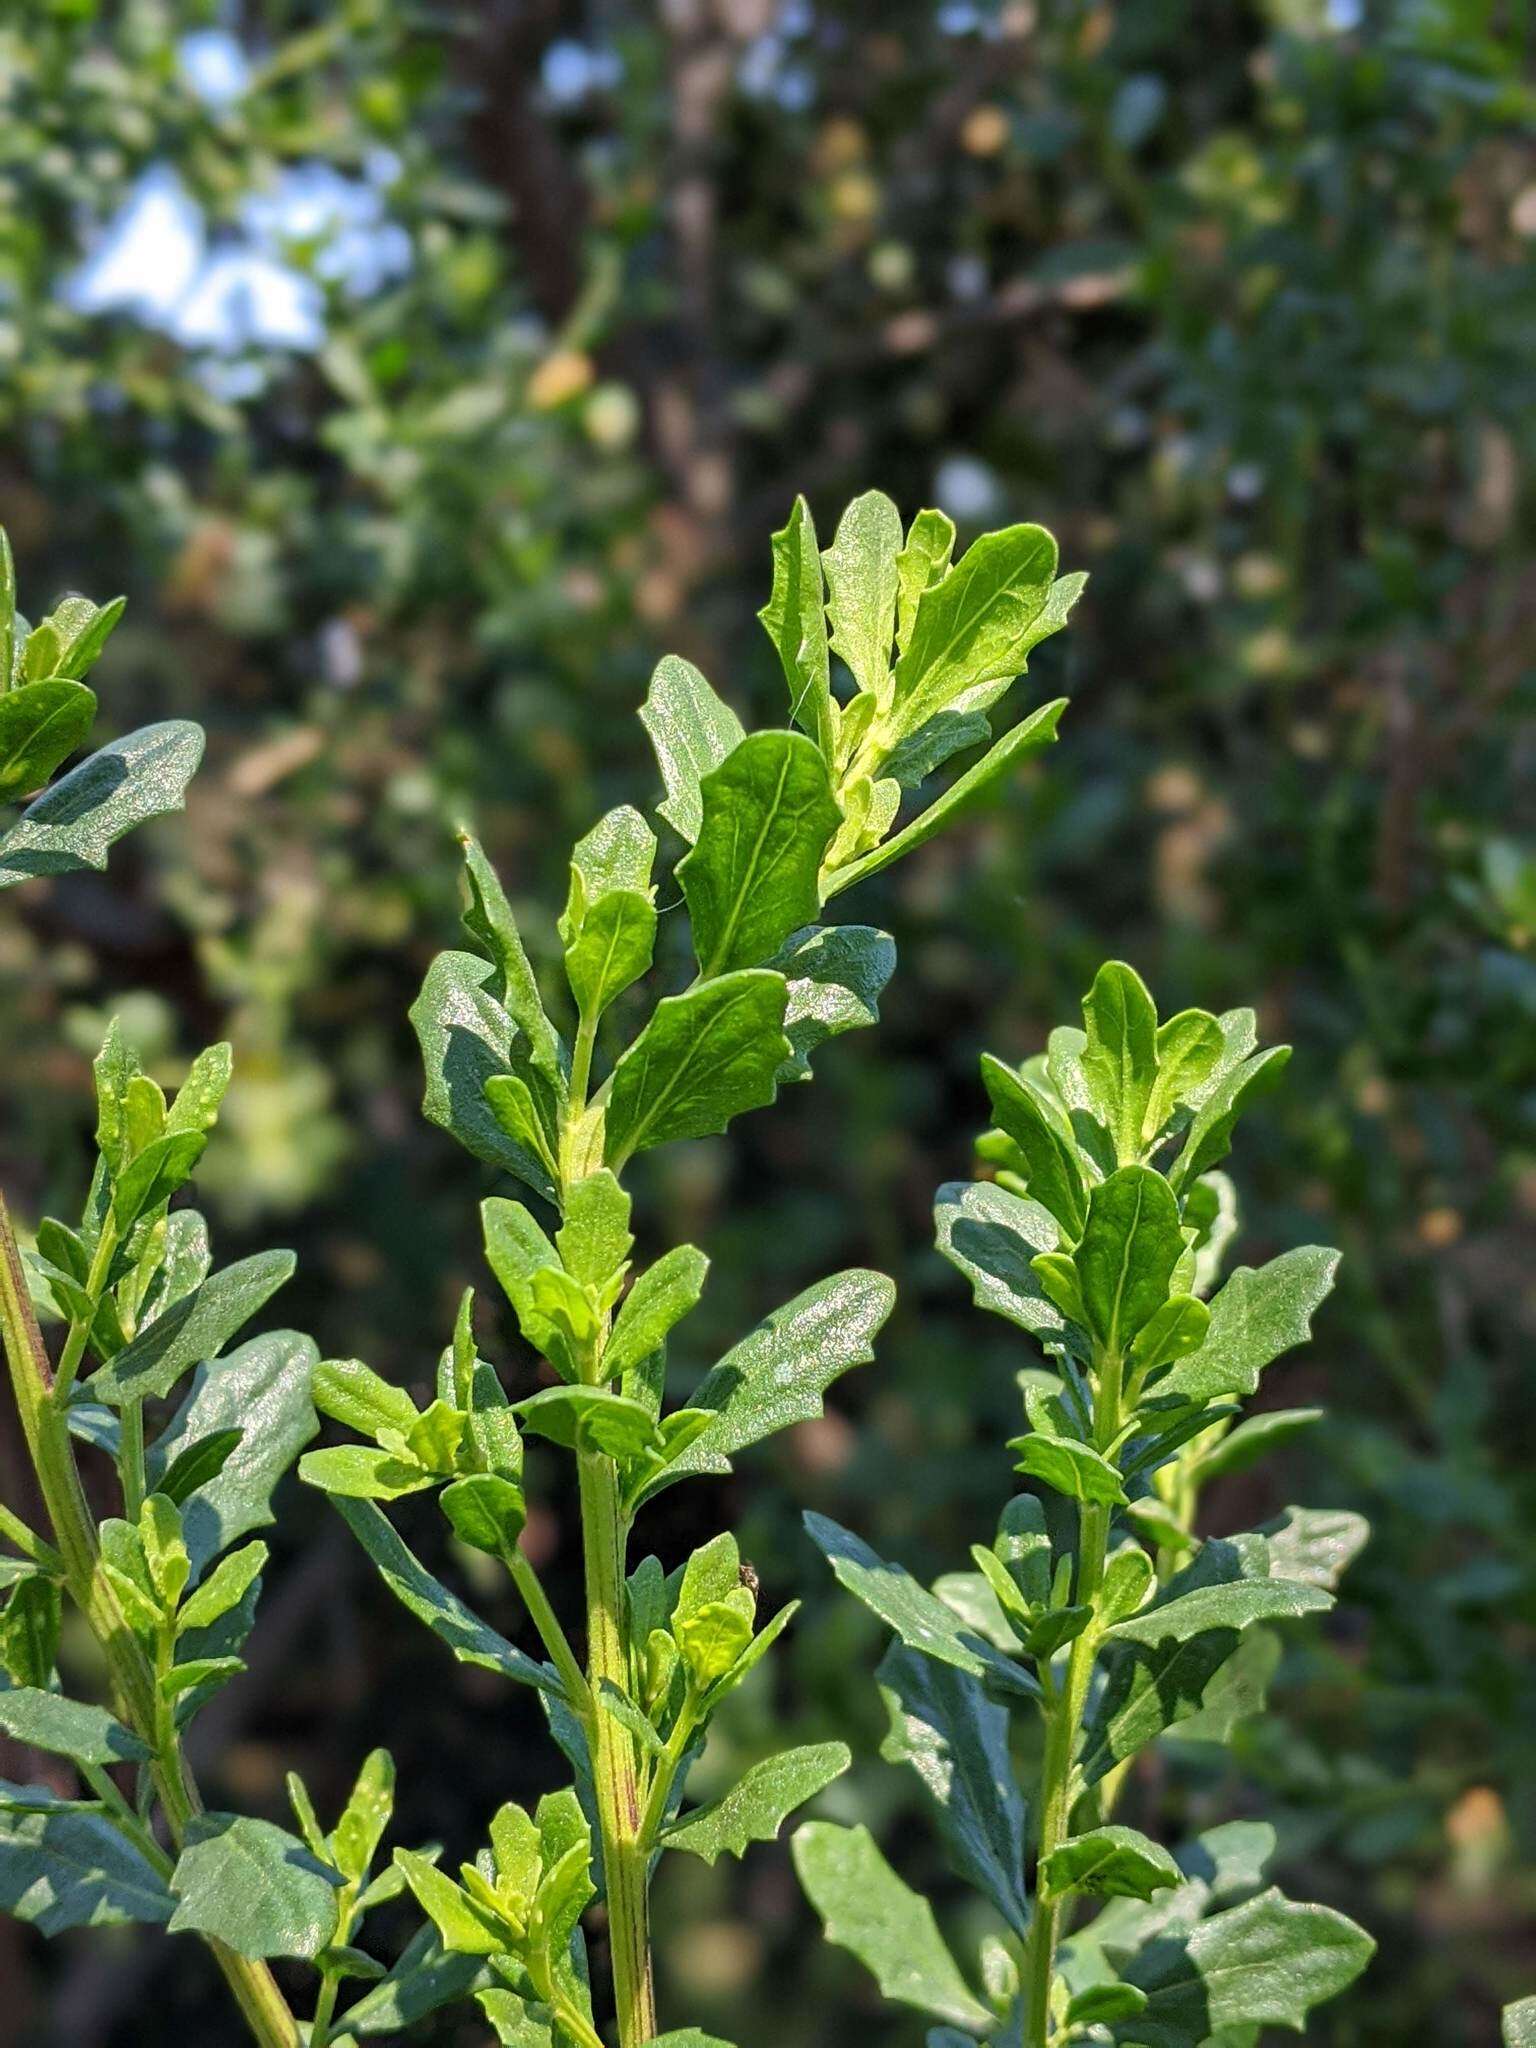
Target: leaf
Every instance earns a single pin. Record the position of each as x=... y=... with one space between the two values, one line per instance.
x=705 y=1056
x=594 y=1239
x=363 y=1472
x=201 y=1461
x=264 y=1387
x=689 y=2037
x=516 y=2022
x=750 y=879
x=923 y=560
x=74 y=1869
x=1131 y=1243
x=1039 y=1127
x=1027 y=737
x=654 y=1305
x=836 y=974
x=192 y=1330
x=992 y=1236
x=490 y=923
x=1266 y=1963
x=795 y=621
x=1109 y=1863
x=1314 y=1545
x=1119 y=1061
x=956 y=1739
x=574 y=1416
x=777 y=1376
x=425 y=1977
x=1234 y=1606
x=41 y=724
x=466 y=1039
x=760 y=1801
x=870 y=1912
x=1068 y=1467
x=225 y=1587
x=46 y=1720
x=75 y=822
x=1253 y=1439
x=612 y=950
x=692 y=732
x=922 y=1621
x=254 y=1887
x=1518 y=2027
x=487 y=1512
x=973 y=626
x=1209 y=1137
x=29 y=1631
x=862 y=587
x=1237 y=1690
x=1259 y=1313
x=471 y=1640
x=463 y=1924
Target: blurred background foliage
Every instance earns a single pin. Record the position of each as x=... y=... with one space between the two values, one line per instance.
x=423 y=372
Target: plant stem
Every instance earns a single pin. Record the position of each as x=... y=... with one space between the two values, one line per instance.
x=28 y=1542
x=625 y=1856
x=39 y=1402
x=1064 y=1717
x=551 y=1634
x=130 y=1462
x=80 y=1327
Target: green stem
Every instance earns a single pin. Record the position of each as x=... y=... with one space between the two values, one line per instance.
x=130 y=1458
x=40 y=1404
x=625 y=1857
x=1064 y=1719
x=666 y=1770
x=325 y=2007
x=80 y=1328
x=551 y=1634
x=28 y=1542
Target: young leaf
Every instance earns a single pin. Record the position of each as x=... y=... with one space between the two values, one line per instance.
x=1119 y=1062
x=1264 y=1963
x=594 y=1240
x=658 y=1300
x=1131 y=1243
x=956 y=1739
x=974 y=626
x=750 y=879
x=1259 y=1313
x=778 y=1375
x=923 y=560
x=254 y=1887
x=74 y=823
x=870 y=1912
x=487 y=1512
x=1315 y=1545
x=574 y=1416
x=1109 y=1863
x=75 y=1869
x=862 y=587
x=467 y=1039
x=993 y=1237
x=1074 y=1469
x=705 y=1056
x=225 y=1587
x=1209 y=1137
x=193 y=1329
x=1039 y=1127
x=41 y=724
x=836 y=974
x=795 y=621
x=922 y=1621
x=490 y=923
x=759 y=1803
x=692 y=732
x=363 y=1472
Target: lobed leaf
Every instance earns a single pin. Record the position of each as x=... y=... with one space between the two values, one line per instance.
x=75 y=822
x=1259 y=1313
x=795 y=621
x=692 y=732
x=759 y=1803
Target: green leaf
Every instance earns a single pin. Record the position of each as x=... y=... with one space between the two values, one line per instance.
x=594 y=1239
x=471 y=1640
x=759 y=1803
x=612 y=949
x=363 y=1472
x=692 y=733
x=46 y=1720
x=225 y=1587
x=1235 y=1606
x=1039 y=1127
x=1100 y=2005
x=1190 y=1048
x=869 y=1911
x=263 y=1386
x=1068 y=1467
x=74 y=1869
x=795 y=621
x=836 y=974
x=1027 y=737
x=1238 y=1688
x=41 y=724
x=81 y=629
x=424 y=1978
x=463 y=1924
x=520 y=1255
x=576 y=1416
x=862 y=588
x=923 y=560
x=486 y=1511
x=254 y=1887
x=1259 y=1313
x=1209 y=1137
x=658 y=1300
x=149 y=1180
x=689 y=2037
x=715 y=1635
x=1109 y=1863
x=1253 y=1439
x=1315 y=1545
x=74 y=823
x=922 y=1621
x=29 y=1631
x=778 y=1375
x=992 y=1237
x=515 y=2022
x=191 y=1330
x=705 y=1056
x=1518 y=2027
x=973 y=627
x=490 y=923
x=354 y=1395
x=956 y=1739
x=1119 y=1062
x=1265 y=1963
x=202 y=1460
x=750 y=879
x=467 y=1039
x=1131 y=1243
x=366 y=1815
